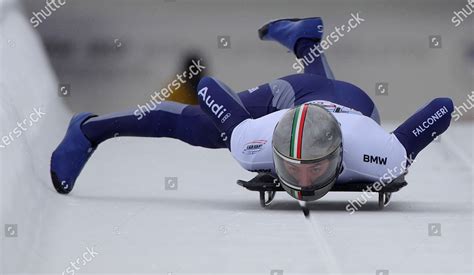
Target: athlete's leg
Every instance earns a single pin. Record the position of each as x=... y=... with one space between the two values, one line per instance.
x=268 y=98
x=312 y=58
x=302 y=37
x=168 y=119
x=222 y=105
x=310 y=87
x=424 y=126
x=293 y=90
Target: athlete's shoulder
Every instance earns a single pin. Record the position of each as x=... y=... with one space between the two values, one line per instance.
x=369 y=150
x=251 y=142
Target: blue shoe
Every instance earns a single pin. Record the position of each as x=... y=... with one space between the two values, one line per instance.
x=71 y=155
x=288 y=31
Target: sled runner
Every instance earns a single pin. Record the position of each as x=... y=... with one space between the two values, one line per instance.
x=267 y=185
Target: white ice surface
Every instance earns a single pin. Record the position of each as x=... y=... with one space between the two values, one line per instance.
x=208 y=225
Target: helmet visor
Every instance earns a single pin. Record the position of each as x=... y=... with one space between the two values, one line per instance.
x=307 y=174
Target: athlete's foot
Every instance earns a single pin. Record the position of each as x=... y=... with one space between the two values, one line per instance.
x=71 y=155
x=287 y=32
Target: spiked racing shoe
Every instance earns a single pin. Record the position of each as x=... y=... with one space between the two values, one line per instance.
x=71 y=155
x=288 y=31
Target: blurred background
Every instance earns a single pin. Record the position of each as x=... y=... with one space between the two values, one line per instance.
x=110 y=55
x=114 y=53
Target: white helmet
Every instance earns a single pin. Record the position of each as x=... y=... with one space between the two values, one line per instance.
x=307 y=151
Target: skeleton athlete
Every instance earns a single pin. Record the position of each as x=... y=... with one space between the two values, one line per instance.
x=309 y=130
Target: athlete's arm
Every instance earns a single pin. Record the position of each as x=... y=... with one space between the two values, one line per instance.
x=370 y=152
x=251 y=142
x=425 y=125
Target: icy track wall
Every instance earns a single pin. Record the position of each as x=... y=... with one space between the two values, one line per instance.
x=27 y=90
